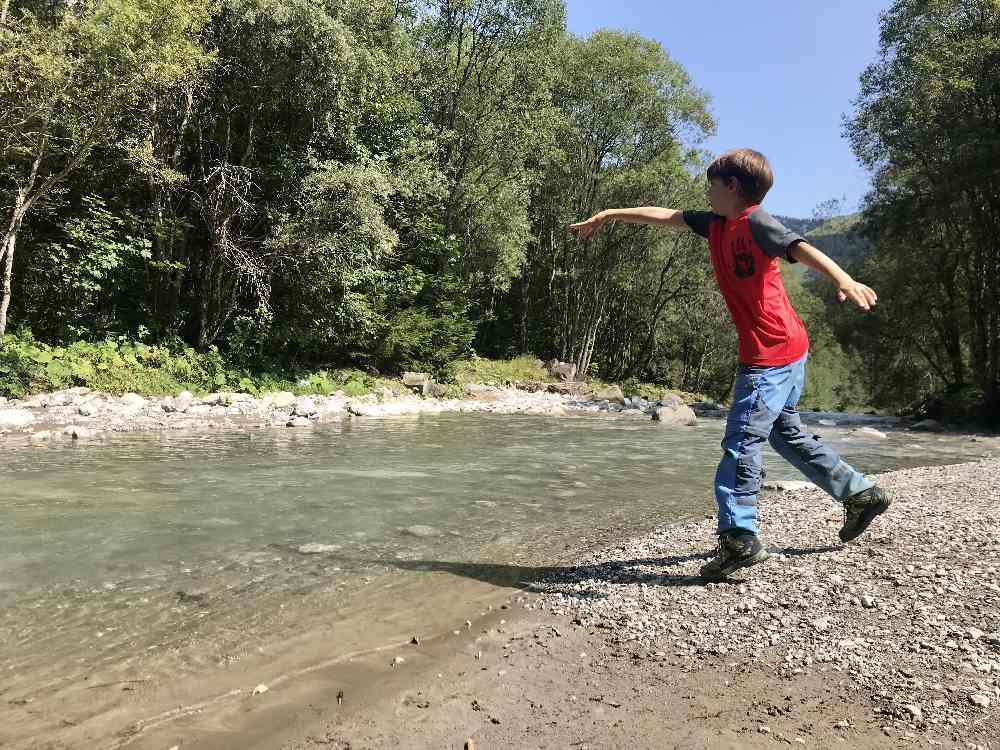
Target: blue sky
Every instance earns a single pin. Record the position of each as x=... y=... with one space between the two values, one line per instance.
x=781 y=76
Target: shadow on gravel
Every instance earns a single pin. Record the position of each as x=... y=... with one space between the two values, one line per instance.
x=801 y=551
x=654 y=571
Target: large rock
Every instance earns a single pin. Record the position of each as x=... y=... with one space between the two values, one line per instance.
x=435 y=390
x=305 y=406
x=132 y=401
x=69 y=396
x=481 y=392
x=280 y=399
x=565 y=371
x=416 y=379
x=180 y=403
x=15 y=418
x=682 y=415
x=612 y=393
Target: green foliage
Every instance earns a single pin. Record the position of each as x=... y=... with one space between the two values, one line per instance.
x=114 y=365
x=926 y=124
x=418 y=340
x=498 y=371
x=834 y=377
x=324 y=189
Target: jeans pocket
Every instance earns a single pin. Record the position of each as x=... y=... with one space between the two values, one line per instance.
x=761 y=417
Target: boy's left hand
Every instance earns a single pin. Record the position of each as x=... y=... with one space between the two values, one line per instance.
x=861 y=295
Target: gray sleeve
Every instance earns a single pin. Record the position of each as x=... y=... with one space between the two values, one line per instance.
x=699 y=221
x=771 y=236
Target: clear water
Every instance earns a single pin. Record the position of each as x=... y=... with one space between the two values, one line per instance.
x=163 y=555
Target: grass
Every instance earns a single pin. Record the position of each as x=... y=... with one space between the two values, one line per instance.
x=120 y=365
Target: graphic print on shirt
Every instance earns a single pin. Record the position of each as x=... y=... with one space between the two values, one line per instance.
x=743 y=264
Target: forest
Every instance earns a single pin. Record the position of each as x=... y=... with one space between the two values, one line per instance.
x=384 y=185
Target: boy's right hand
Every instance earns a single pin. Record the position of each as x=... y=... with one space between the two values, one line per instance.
x=586 y=229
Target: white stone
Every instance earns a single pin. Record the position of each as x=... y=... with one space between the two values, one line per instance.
x=315 y=548
x=16 y=417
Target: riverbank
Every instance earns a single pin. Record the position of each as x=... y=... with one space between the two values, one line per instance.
x=82 y=414
x=893 y=640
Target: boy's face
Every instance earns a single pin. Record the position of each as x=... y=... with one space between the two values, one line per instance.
x=724 y=195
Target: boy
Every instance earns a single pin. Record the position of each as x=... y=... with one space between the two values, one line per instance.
x=745 y=243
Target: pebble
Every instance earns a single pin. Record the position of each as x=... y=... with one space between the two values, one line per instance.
x=901 y=614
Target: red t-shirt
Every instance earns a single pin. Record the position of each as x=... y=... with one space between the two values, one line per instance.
x=745 y=253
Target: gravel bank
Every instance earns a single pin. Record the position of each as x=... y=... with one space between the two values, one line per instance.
x=79 y=413
x=906 y=617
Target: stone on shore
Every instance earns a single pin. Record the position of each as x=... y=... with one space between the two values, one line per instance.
x=611 y=393
x=279 y=399
x=16 y=417
x=680 y=414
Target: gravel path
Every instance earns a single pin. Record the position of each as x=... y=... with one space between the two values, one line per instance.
x=908 y=613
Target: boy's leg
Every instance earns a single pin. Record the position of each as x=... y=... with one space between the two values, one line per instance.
x=820 y=463
x=824 y=467
x=758 y=397
x=757 y=401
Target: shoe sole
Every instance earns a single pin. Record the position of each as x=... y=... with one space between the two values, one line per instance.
x=870 y=514
x=758 y=557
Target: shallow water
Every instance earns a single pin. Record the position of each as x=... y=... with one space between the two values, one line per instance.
x=160 y=555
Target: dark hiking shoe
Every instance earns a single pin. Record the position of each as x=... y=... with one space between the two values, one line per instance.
x=735 y=551
x=860 y=510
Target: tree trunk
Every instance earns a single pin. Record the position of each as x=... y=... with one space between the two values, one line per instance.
x=8 y=255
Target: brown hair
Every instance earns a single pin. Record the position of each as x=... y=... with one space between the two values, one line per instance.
x=750 y=168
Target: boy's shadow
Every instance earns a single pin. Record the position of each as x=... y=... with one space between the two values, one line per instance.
x=655 y=571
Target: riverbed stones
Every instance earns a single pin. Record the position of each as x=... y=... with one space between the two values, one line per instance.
x=104 y=412
x=179 y=403
x=299 y=422
x=15 y=418
x=907 y=620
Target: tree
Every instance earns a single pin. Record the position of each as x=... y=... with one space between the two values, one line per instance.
x=487 y=67
x=925 y=122
x=626 y=108
x=75 y=82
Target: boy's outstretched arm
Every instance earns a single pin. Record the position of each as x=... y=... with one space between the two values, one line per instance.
x=664 y=217
x=847 y=288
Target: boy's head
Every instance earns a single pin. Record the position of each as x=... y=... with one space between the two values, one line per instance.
x=737 y=179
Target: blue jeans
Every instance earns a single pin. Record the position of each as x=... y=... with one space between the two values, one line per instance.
x=764 y=402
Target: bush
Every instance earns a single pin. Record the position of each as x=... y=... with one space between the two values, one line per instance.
x=498 y=371
x=422 y=342
x=114 y=365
